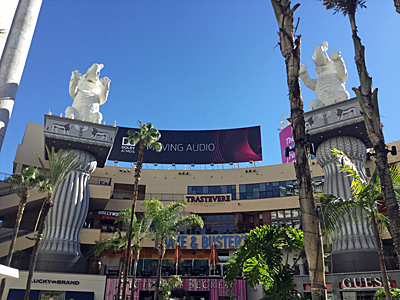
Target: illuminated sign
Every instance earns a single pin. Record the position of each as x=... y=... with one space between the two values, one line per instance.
x=223 y=241
x=364 y=282
x=286 y=140
x=52 y=281
x=207 y=200
x=215 y=286
x=198 y=147
x=107 y=215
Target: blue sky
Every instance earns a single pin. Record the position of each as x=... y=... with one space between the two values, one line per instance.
x=194 y=65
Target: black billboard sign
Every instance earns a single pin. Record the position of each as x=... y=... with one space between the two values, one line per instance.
x=198 y=147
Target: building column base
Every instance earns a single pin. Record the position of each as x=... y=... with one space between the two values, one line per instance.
x=354 y=261
x=61 y=263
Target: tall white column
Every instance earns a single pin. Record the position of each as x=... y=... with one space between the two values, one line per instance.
x=14 y=57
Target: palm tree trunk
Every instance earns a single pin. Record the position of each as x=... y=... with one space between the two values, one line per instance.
x=161 y=251
x=120 y=273
x=21 y=208
x=48 y=203
x=290 y=49
x=368 y=100
x=138 y=171
x=135 y=264
x=381 y=258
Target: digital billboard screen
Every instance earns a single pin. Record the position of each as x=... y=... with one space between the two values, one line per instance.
x=198 y=147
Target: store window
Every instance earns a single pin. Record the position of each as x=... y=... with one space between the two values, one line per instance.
x=290 y=217
x=213 y=190
x=46 y=295
x=276 y=189
x=217 y=224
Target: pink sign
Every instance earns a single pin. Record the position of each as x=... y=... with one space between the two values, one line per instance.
x=286 y=140
x=216 y=287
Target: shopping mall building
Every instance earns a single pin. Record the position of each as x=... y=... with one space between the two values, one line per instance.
x=230 y=199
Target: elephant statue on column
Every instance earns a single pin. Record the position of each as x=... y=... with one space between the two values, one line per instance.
x=88 y=92
x=331 y=77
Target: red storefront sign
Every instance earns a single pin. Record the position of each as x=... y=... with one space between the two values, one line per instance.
x=216 y=287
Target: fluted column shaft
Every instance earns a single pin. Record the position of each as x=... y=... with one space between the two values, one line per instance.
x=65 y=220
x=354 y=235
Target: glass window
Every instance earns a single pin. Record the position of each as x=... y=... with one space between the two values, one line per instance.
x=224 y=218
x=274 y=223
x=283 y=192
x=280 y=214
x=249 y=188
x=231 y=228
x=296 y=224
x=231 y=218
x=224 y=228
x=217 y=218
x=273 y=214
x=295 y=213
x=211 y=218
x=287 y=213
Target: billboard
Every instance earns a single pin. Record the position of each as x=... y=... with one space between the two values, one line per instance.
x=286 y=140
x=198 y=147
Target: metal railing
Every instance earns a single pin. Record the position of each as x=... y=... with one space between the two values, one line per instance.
x=8 y=189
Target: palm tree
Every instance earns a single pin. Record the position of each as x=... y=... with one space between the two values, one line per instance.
x=27 y=179
x=116 y=242
x=166 y=221
x=363 y=205
x=290 y=48
x=60 y=166
x=140 y=229
x=145 y=136
x=368 y=99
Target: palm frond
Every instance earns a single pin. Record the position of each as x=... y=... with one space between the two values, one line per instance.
x=60 y=166
x=344 y=7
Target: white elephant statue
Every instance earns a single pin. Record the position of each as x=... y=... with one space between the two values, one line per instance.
x=331 y=77
x=88 y=93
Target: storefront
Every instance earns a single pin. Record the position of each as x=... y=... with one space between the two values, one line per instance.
x=204 y=288
x=57 y=286
x=350 y=286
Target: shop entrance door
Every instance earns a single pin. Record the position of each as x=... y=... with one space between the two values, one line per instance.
x=199 y=295
x=359 y=295
x=146 y=295
x=45 y=295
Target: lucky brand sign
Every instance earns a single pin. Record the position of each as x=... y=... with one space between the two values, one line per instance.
x=198 y=147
